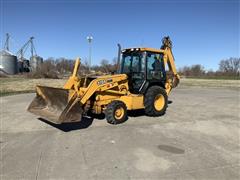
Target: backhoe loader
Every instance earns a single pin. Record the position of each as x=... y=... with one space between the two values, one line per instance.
x=141 y=82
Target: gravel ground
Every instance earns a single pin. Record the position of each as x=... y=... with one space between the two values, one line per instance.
x=198 y=138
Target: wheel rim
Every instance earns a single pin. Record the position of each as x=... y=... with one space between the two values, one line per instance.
x=159 y=102
x=119 y=113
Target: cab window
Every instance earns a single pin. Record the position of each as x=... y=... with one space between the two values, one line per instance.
x=155 y=66
x=132 y=63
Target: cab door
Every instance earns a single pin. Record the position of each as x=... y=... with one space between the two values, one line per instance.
x=133 y=64
x=155 y=69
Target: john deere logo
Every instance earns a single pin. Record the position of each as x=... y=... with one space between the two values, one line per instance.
x=103 y=81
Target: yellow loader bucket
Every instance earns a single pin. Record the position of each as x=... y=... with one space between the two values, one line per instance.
x=53 y=104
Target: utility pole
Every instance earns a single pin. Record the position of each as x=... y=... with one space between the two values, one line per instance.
x=90 y=38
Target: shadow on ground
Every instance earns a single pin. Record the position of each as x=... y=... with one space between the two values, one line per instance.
x=66 y=127
x=87 y=121
x=83 y=124
x=171 y=149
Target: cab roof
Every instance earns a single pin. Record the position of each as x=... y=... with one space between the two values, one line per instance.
x=143 y=49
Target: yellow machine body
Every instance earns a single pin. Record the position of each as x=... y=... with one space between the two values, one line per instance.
x=68 y=104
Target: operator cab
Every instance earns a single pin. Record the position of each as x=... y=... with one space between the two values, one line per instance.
x=144 y=67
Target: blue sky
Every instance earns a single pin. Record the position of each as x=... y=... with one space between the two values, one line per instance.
x=203 y=32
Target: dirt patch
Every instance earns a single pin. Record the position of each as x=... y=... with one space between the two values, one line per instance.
x=171 y=149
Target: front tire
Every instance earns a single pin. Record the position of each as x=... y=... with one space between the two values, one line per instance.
x=116 y=112
x=155 y=101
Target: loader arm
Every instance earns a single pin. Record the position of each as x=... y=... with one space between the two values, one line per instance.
x=103 y=83
x=73 y=82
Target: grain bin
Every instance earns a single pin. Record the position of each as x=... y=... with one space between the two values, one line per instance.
x=8 y=62
x=35 y=62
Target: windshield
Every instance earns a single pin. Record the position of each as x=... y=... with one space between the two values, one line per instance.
x=132 y=62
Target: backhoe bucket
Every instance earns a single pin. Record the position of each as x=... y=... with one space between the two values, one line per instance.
x=53 y=104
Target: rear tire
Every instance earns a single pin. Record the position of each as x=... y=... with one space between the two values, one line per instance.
x=116 y=112
x=155 y=101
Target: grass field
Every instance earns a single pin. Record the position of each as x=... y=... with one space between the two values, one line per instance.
x=16 y=85
x=218 y=83
x=9 y=86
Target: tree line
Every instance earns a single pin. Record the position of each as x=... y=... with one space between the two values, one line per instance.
x=61 y=67
x=227 y=69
